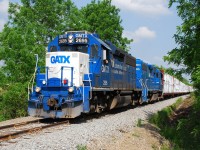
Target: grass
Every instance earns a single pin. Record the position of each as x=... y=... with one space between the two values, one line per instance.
x=81 y=147
x=180 y=126
x=165 y=147
x=139 y=122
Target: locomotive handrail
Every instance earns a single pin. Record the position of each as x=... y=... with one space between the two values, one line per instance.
x=141 y=83
x=47 y=72
x=33 y=77
x=146 y=84
x=90 y=86
x=31 y=81
x=72 y=70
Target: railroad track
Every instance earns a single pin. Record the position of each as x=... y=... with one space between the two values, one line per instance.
x=12 y=131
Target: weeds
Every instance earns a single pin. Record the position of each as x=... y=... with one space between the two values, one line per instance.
x=182 y=130
x=139 y=122
x=81 y=147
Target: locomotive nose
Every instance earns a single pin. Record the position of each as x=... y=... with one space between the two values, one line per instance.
x=52 y=102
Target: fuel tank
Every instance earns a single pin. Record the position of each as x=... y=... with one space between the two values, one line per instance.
x=120 y=100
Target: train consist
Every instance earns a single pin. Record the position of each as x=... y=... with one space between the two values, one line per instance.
x=84 y=74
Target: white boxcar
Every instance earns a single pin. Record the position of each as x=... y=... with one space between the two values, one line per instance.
x=173 y=86
x=177 y=86
x=168 y=84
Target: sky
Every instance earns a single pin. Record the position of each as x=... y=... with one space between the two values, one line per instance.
x=150 y=23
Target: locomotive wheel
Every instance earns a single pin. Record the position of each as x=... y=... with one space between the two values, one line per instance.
x=140 y=101
x=98 y=109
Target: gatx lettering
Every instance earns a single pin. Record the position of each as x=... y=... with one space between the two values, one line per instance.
x=60 y=59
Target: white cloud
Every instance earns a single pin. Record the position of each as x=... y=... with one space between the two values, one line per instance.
x=146 y=7
x=141 y=33
x=3 y=12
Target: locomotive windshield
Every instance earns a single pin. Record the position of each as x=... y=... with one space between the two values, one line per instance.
x=79 y=48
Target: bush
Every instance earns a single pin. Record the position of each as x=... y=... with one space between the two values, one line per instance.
x=13 y=103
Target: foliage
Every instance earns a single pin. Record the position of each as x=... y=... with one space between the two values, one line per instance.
x=162 y=116
x=187 y=54
x=81 y=147
x=13 y=102
x=2 y=78
x=184 y=133
x=196 y=77
x=139 y=122
x=103 y=18
x=187 y=37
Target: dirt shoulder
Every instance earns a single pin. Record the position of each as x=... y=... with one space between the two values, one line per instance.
x=146 y=137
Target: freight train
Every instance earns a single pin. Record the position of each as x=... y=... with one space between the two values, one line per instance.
x=84 y=74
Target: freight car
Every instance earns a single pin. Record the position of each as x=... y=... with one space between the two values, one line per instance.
x=84 y=74
x=174 y=87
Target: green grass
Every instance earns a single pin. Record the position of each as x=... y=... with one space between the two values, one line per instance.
x=184 y=133
x=139 y=122
x=81 y=147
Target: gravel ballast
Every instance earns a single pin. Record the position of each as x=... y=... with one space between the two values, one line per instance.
x=68 y=137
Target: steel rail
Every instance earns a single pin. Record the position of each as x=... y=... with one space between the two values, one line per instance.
x=19 y=124
x=9 y=136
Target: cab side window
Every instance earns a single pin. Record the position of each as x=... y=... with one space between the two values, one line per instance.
x=94 y=51
x=53 y=49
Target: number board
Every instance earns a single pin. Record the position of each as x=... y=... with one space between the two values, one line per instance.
x=76 y=39
x=81 y=40
x=62 y=41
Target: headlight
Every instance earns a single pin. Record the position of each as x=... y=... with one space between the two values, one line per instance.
x=71 y=89
x=37 y=89
x=70 y=38
x=44 y=82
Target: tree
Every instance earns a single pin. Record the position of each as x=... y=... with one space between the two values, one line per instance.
x=103 y=18
x=187 y=37
x=188 y=54
x=13 y=102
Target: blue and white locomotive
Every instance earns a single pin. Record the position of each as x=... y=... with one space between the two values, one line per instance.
x=84 y=74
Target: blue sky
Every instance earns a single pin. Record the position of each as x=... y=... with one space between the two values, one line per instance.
x=149 y=22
